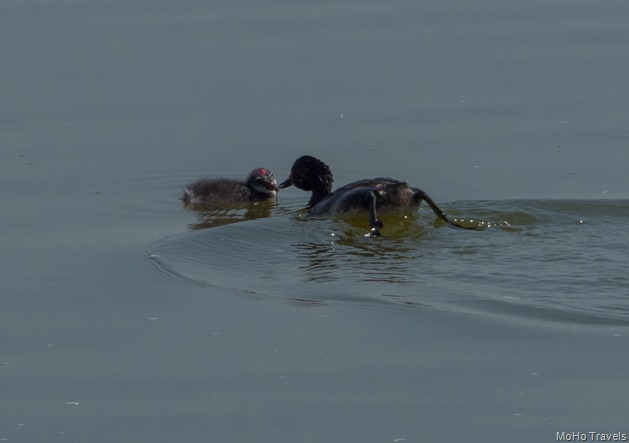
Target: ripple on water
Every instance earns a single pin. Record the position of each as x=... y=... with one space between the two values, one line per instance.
x=547 y=260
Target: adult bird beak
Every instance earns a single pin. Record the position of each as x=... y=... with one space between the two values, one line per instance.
x=286 y=183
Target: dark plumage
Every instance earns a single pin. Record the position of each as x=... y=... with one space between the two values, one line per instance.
x=259 y=185
x=311 y=174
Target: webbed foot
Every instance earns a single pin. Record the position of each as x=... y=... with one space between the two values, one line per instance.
x=373 y=233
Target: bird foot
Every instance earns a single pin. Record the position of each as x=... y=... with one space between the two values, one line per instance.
x=373 y=233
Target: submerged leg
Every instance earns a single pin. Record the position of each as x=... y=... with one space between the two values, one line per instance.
x=421 y=195
x=373 y=218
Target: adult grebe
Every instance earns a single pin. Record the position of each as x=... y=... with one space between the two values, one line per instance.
x=311 y=174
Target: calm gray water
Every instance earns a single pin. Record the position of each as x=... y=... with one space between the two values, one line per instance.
x=126 y=317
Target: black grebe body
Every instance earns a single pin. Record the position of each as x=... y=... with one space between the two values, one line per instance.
x=311 y=174
x=259 y=185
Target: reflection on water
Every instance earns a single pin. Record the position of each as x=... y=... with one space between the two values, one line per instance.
x=385 y=262
x=210 y=217
x=557 y=261
x=366 y=258
x=321 y=262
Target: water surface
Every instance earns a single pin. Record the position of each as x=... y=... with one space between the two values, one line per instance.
x=559 y=260
x=125 y=317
